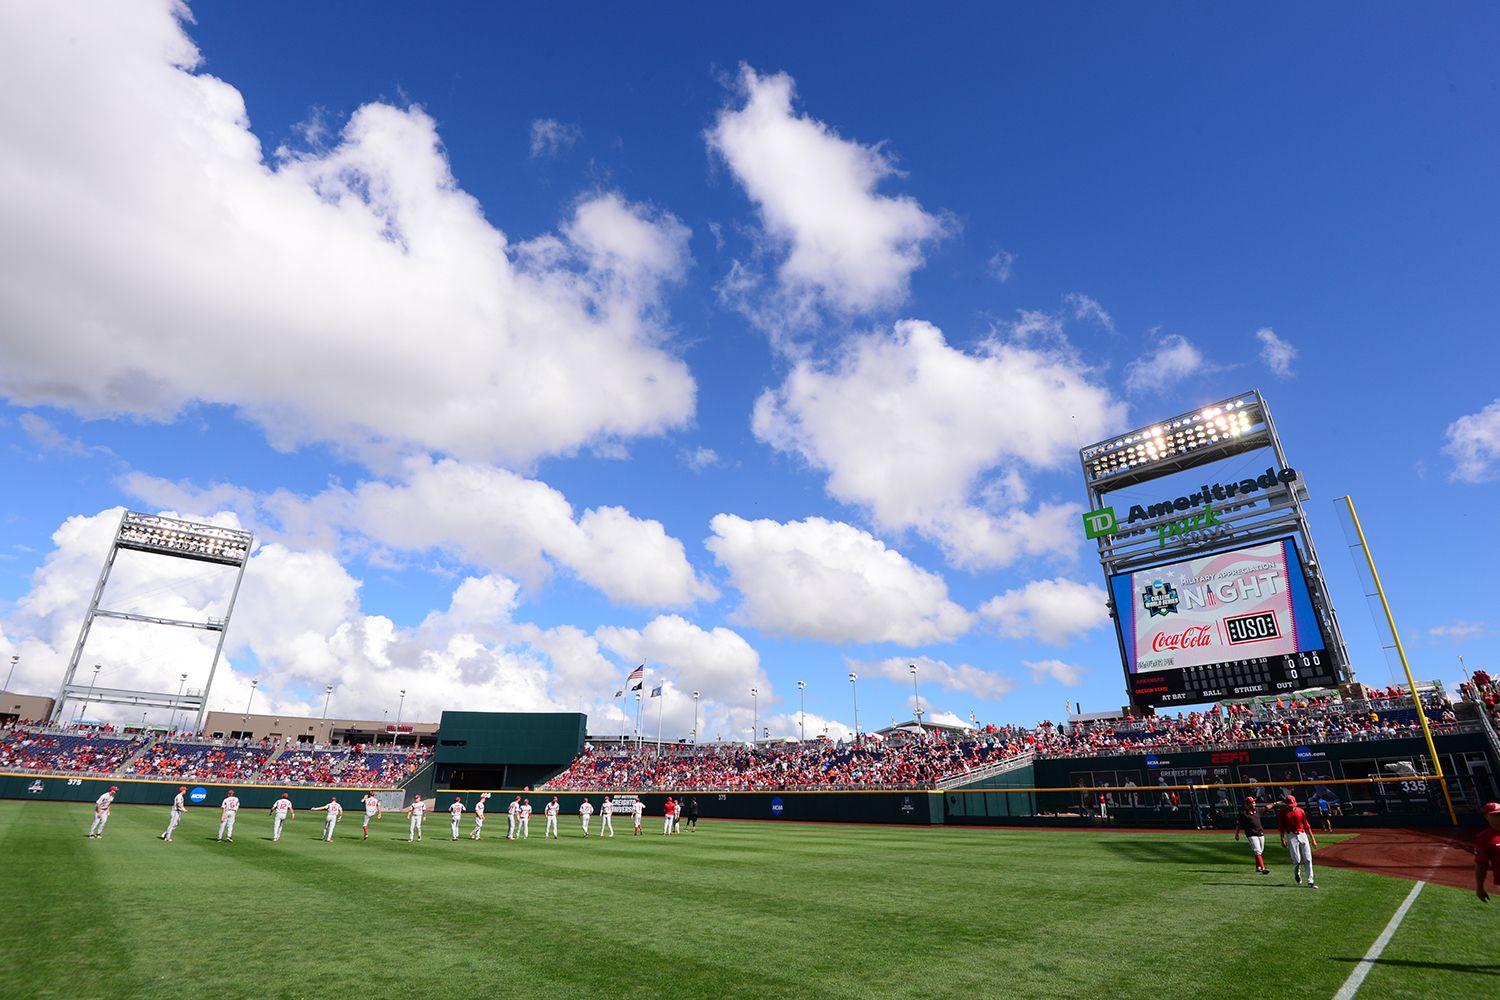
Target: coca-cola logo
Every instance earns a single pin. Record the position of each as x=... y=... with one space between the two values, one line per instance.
x=1194 y=637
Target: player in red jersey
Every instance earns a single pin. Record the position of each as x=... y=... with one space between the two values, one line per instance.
x=1487 y=850
x=1297 y=837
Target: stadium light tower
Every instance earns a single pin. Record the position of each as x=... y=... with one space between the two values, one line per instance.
x=854 y=693
x=89 y=696
x=802 y=711
x=254 y=683
x=916 y=694
x=327 y=694
x=181 y=683
x=754 y=715
x=172 y=538
x=695 y=717
x=399 y=706
x=16 y=659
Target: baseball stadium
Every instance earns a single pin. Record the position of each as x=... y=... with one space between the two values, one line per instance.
x=765 y=501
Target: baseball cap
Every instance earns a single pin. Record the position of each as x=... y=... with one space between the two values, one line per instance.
x=1249 y=800
x=114 y=788
x=1491 y=808
x=1291 y=800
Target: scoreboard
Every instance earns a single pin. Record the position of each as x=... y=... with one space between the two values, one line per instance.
x=1229 y=624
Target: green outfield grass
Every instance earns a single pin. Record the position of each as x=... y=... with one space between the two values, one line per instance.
x=735 y=910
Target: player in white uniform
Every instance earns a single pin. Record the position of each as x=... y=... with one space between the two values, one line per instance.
x=606 y=820
x=550 y=810
x=584 y=812
x=228 y=810
x=479 y=815
x=334 y=811
x=456 y=810
x=416 y=811
x=526 y=819
x=372 y=811
x=513 y=818
x=178 y=808
x=281 y=811
x=101 y=813
x=636 y=812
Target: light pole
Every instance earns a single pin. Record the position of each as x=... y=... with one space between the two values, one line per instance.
x=661 y=700
x=253 y=685
x=754 y=716
x=181 y=683
x=695 y=718
x=17 y=659
x=801 y=711
x=327 y=693
x=637 y=722
x=143 y=723
x=916 y=694
x=88 y=697
x=854 y=693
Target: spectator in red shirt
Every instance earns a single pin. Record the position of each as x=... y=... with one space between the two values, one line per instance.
x=1487 y=851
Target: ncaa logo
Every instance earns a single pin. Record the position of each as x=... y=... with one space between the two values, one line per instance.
x=1152 y=760
x=776 y=806
x=1097 y=523
x=1304 y=753
x=198 y=794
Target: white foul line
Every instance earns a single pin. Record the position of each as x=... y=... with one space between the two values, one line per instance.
x=1351 y=985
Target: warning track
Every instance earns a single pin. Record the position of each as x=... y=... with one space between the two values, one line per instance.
x=1444 y=856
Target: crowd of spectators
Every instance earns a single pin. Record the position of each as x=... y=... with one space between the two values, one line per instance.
x=905 y=760
x=104 y=751
x=1483 y=690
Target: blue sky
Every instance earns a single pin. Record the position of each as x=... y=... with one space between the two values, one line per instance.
x=713 y=321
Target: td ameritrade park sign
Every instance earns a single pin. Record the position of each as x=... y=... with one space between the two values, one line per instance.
x=1101 y=522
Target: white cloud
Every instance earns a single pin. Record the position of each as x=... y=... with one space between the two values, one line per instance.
x=699 y=458
x=1460 y=631
x=1063 y=673
x=353 y=293
x=825 y=580
x=1088 y=307
x=1474 y=445
x=1001 y=264
x=926 y=436
x=483 y=516
x=844 y=245
x=1052 y=611
x=46 y=435
x=963 y=678
x=1174 y=359
x=1275 y=353
x=550 y=137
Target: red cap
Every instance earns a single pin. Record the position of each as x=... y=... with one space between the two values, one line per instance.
x=1491 y=808
x=114 y=788
x=183 y=788
x=1249 y=800
x=1291 y=800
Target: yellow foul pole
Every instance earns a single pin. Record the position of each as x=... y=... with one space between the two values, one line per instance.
x=1390 y=619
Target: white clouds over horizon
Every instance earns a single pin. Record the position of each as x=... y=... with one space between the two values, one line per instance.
x=1473 y=443
x=1051 y=611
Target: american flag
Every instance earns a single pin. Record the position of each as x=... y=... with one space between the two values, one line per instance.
x=637 y=673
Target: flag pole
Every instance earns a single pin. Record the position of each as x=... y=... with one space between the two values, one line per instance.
x=660 y=701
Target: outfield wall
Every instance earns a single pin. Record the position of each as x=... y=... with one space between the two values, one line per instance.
x=64 y=788
x=916 y=808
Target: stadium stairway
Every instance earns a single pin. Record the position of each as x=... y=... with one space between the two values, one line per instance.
x=988 y=771
x=129 y=762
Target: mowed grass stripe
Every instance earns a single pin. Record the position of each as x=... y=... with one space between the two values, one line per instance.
x=738 y=909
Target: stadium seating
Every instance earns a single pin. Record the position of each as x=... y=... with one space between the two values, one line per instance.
x=43 y=750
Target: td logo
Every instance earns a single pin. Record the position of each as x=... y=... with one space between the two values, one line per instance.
x=1100 y=522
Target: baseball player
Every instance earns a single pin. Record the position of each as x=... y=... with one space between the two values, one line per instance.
x=637 y=810
x=228 y=810
x=456 y=810
x=669 y=811
x=513 y=818
x=416 y=811
x=334 y=811
x=525 y=816
x=1297 y=836
x=479 y=815
x=372 y=811
x=550 y=810
x=584 y=812
x=179 y=806
x=1249 y=824
x=281 y=811
x=1487 y=850
x=606 y=820
x=101 y=813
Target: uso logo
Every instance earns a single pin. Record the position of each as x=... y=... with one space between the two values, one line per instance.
x=198 y=794
x=776 y=806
